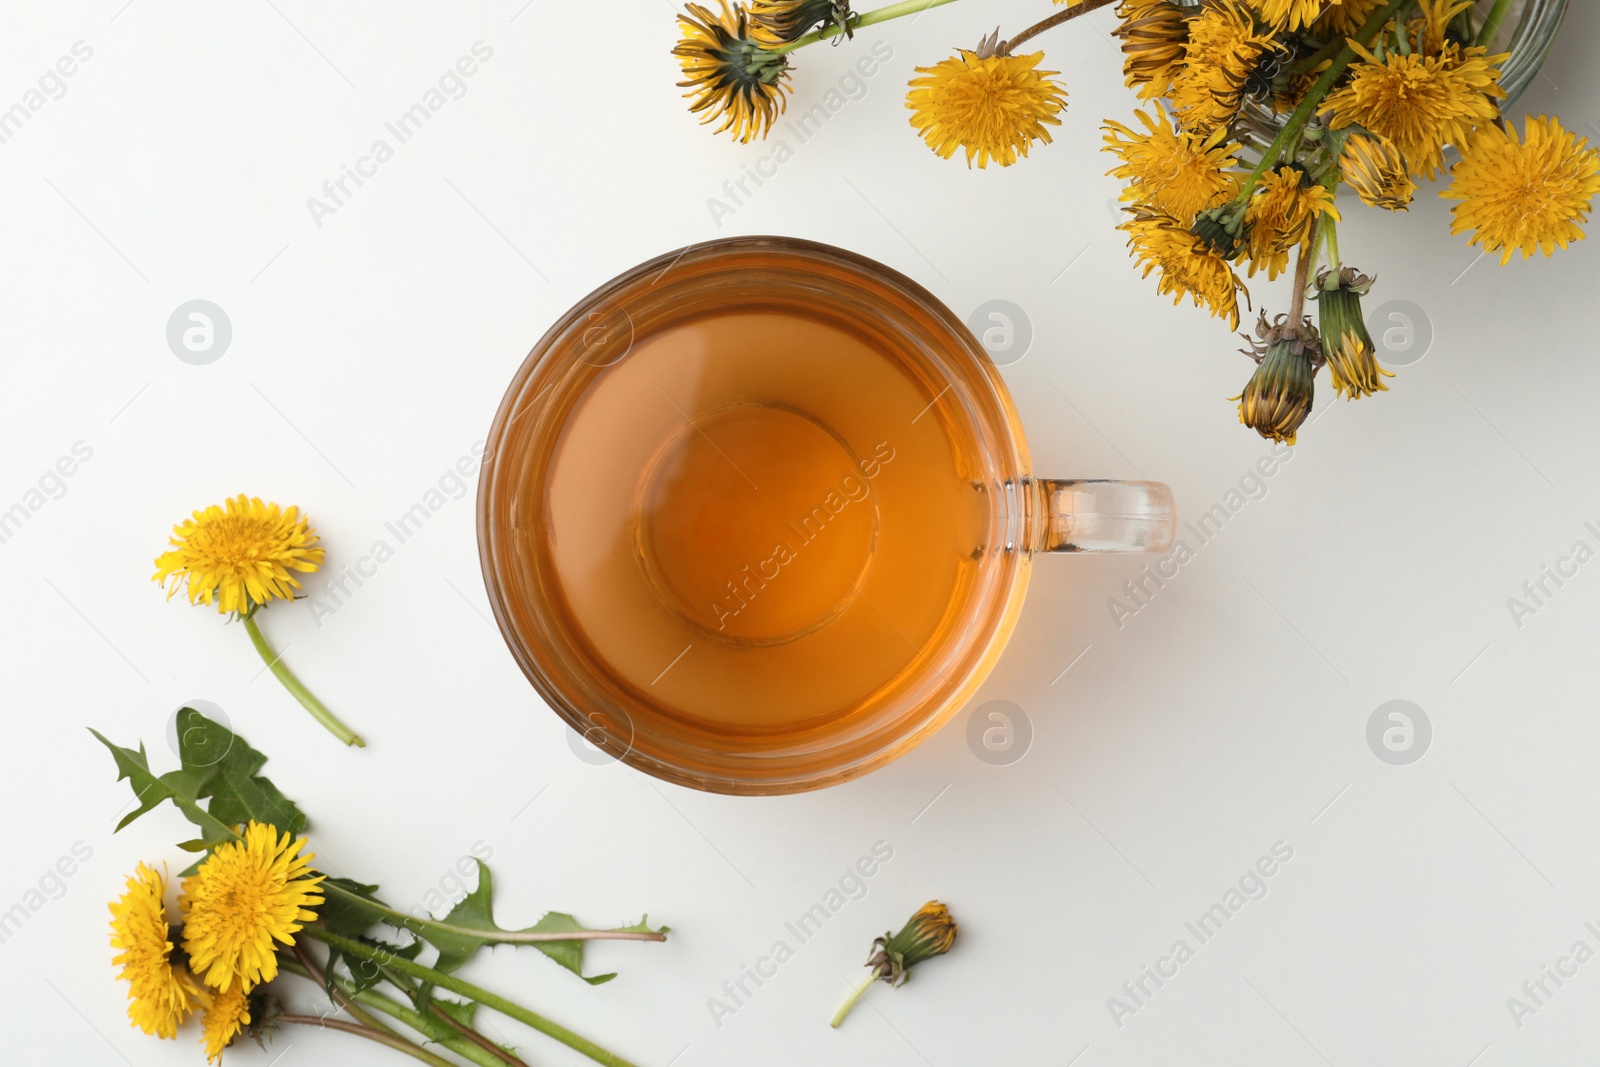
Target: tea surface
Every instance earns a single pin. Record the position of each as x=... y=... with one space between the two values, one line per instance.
x=759 y=521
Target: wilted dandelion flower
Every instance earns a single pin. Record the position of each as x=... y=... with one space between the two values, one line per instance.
x=1277 y=399
x=930 y=932
x=1374 y=168
x=1344 y=17
x=781 y=21
x=1178 y=173
x=1223 y=50
x=1289 y=14
x=1189 y=265
x=1346 y=344
x=1153 y=34
x=1419 y=102
x=1280 y=217
x=728 y=73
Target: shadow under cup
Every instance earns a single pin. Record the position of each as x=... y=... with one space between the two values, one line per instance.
x=756 y=517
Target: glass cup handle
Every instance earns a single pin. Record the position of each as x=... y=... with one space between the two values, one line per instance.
x=1097 y=515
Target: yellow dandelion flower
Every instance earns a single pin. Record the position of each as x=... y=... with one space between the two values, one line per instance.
x=1529 y=193
x=1419 y=102
x=238 y=556
x=228 y=1014
x=992 y=106
x=1288 y=95
x=1374 y=168
x=1280 y=217
x=1223 y=50
x=1177 y=173
x=1153 y=34
x=245 y=896
x=1188 y=264
x=1289 y=14
x=729 y=75
x=1344 y=17
x=1433 y=18
x=162 y=995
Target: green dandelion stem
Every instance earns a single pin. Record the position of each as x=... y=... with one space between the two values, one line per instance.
x=1308 y=106
x=399 y=1013
x=334 y=993
x=399 y=1044
x=1328 y=227
x=467 y=989
x=296 y=687
x=1491 y=23
x=850 y=1001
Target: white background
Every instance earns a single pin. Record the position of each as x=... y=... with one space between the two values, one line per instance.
x=369 y=354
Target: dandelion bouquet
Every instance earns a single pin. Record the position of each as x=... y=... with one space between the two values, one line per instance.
x=1258 y=112
x=253 y=907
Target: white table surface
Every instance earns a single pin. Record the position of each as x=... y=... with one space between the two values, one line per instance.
x=369 y=353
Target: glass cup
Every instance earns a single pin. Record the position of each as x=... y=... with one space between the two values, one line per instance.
x=711 y=392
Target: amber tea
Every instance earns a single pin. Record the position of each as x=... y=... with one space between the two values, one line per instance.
x=757 y=516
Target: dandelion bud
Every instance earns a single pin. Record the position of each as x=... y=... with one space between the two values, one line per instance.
x=929 y=933
x=782 y=21
x=1278 y=396
x=1375 y=169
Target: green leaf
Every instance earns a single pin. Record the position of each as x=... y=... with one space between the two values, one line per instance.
x=476 y=913
x=348 y=913
x=570 y=953
x=462 y=1012
x=182 y=787
x=237 y=793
